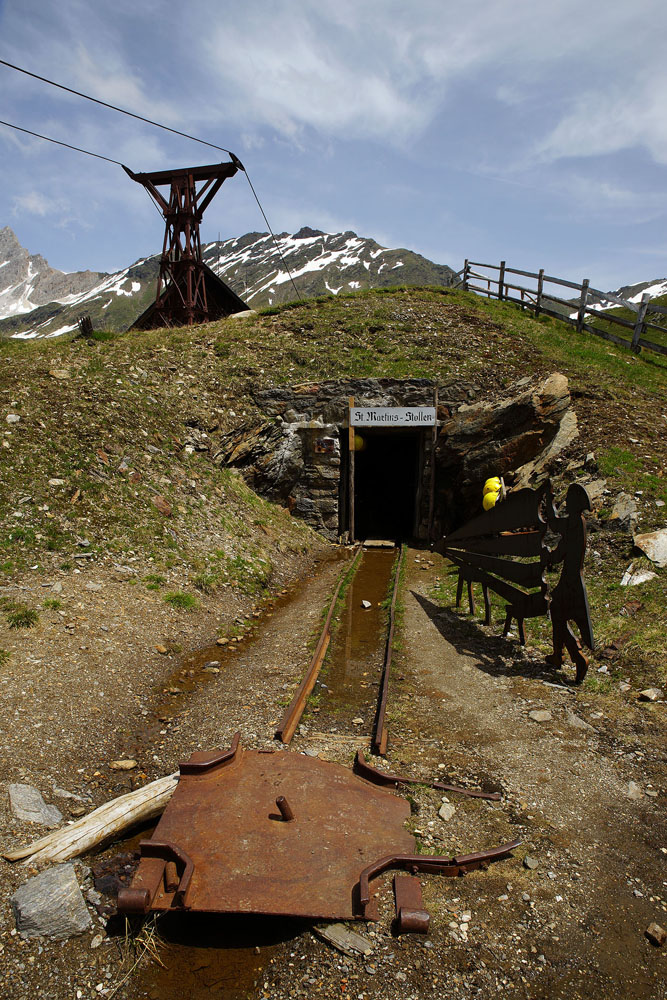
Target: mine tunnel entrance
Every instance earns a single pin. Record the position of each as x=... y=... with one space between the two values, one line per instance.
x=386 y=483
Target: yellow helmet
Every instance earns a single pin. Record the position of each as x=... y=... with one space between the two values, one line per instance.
x=490 y=499
x=492 y=485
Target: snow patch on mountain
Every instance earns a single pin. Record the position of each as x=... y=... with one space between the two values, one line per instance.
x=260 y=269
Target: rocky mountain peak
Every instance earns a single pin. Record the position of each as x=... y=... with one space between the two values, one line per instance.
x=306 y=233
x=28 y=281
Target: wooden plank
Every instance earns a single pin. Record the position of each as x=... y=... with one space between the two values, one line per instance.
x=608 y=297
x=609 y=318
x=561 y=281
x=655 y=326
x=657 y=309
x=476 y=263
x=501 y=280
x=484 y=291
x=524 y=274
x=650 y=346
x=621 y=341
x=518 y=510
x=525 y=574
x=525 y=605
x=515 y=543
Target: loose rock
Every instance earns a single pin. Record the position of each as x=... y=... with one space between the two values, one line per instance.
x=576 y=723
x=656 y=934
x=623 y=513
x=632 y=577
x=530 y=863
x=123 y=765
x=446 y=811
x=27 y=803
x=634 y=792
x=541 y=715
x=651 y=694
x=162 y=505
x=654 y=545
x=51 y=905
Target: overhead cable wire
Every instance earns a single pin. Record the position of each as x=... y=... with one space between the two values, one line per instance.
x=67 y=145
x=148 y=121
x=105 y=104
x=273 y=237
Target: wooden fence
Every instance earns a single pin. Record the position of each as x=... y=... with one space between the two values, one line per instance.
x=500 y=284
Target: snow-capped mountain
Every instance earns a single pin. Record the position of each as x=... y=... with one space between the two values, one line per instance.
x=27 y=281
x=629 y=293
x=252 y=265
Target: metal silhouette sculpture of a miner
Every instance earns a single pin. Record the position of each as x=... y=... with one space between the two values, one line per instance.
x=568 y=600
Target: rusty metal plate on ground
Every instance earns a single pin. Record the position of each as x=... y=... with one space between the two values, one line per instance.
x=226 y=842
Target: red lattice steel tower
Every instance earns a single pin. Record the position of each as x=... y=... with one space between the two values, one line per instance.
x=181 y=298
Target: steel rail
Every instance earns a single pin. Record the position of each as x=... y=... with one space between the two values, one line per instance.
x=294 y=711
x=431 y=864
x=380 y=737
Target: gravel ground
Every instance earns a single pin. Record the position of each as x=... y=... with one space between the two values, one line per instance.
x=571 y=926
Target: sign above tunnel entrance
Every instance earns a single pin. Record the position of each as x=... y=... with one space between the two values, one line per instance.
x=392 y=416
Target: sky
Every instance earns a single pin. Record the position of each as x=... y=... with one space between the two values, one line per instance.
x=533 y=131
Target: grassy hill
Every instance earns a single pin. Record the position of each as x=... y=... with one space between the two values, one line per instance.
x=110 y=458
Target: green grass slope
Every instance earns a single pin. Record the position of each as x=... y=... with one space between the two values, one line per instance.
x=111 y=430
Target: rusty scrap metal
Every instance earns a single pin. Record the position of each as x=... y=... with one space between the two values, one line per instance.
x=201 y=761
x=411 y=917
x=294 y=710
x=433 y=864
x=235 y=853
x=380 y=736
x=370 y=773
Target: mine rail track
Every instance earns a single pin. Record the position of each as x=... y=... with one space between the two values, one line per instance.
x=295 y=709
x=290 y=720
x=379 y=737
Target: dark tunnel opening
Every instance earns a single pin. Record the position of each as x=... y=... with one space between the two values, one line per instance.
x=386 y=479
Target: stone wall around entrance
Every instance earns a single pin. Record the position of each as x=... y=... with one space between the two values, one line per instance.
x=295 y=455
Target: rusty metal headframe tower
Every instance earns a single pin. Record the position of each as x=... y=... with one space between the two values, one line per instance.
x=181 y=289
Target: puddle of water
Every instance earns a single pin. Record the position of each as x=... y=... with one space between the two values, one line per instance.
x=350 y=681
x=211 y=956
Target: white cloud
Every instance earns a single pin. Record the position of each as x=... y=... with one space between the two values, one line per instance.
x=605 y=121
x=37 y=203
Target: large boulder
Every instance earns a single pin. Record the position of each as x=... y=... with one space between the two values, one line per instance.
x=51 y=905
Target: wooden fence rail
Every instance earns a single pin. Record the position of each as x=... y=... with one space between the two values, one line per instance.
x=498 y=285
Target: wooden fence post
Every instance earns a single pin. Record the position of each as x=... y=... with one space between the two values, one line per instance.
x=501 y=281
x=581 y=315
x=540 y=287
x=639 y=325
x=466 y=268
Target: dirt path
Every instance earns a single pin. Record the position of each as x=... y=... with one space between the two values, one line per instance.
x=574 y=925
x=460 y=700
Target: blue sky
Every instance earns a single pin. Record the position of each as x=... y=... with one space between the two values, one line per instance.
x=533 y=131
